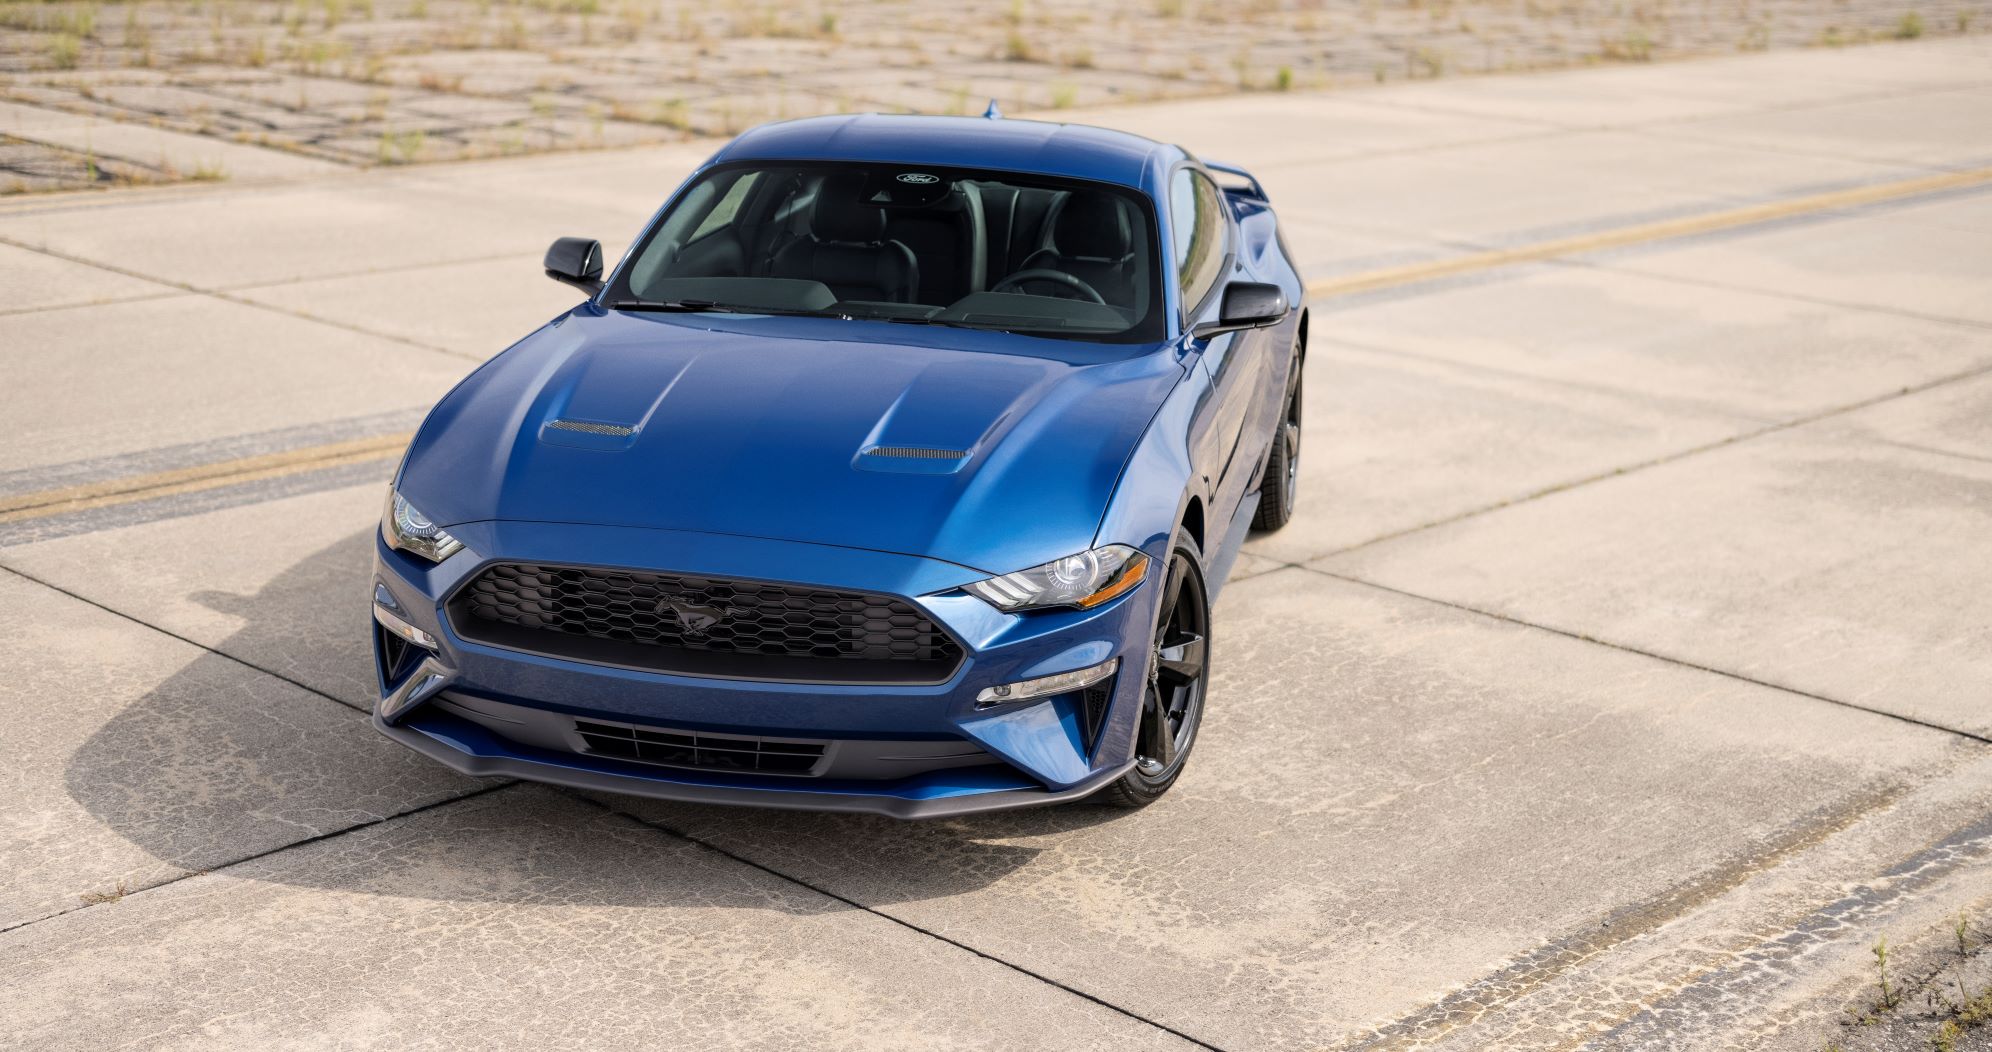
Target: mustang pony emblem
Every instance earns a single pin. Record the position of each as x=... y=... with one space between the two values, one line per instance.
x=696 y=620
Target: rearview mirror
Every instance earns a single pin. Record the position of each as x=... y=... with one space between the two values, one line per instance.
x=576 y=261
x=1246 y=305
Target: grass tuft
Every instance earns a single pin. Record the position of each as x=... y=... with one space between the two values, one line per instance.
x=402 y=147
x=64 y=50
x=1888 y=998
x=99 y=898
x=1633 y=46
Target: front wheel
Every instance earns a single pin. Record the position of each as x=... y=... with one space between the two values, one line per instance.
x=1172 y=699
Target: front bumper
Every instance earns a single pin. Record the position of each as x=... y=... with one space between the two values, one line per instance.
x=488 y=710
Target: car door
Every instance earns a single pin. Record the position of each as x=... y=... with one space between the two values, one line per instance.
x=1234 y=362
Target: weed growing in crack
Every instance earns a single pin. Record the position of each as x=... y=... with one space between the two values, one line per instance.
x=98 y=898
x=1888 y=998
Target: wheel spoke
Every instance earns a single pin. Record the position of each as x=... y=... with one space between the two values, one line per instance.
x=1175 y=673
x=1158 y=739
x=1181 y=661
x=1172 y=591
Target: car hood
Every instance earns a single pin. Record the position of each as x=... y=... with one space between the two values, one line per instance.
x=992 y=458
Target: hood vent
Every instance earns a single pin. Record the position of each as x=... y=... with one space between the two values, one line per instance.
x=910 y=460
x=586 y=428
x=916 y=453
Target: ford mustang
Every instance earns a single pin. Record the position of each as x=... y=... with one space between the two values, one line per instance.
x=893 y=469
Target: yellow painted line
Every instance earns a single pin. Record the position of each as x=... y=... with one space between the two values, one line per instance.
x=199 y=477
x=334 y=454
x=1390 y=277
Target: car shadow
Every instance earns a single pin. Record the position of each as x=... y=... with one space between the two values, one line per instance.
x=218 y=763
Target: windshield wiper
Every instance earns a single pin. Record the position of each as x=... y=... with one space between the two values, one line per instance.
x=716 y=307
x=688 y=306
x=948 y=322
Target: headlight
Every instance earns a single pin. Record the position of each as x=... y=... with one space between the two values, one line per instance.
x=1084 y=581
x=410 y=531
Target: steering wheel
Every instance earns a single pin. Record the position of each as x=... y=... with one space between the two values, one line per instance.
x=1057 y=277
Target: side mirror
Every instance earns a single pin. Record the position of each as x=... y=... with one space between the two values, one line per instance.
x=576 y=261
x=1246 y=305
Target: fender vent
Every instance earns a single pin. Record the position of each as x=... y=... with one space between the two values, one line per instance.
x=586 y=428
x=916 y=452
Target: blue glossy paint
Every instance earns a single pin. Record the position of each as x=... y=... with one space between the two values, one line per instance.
x=750 y=426
x=743 y=460
x=1044 y=740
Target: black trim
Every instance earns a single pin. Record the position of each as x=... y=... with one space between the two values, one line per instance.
x=1094 y=702
x=710 y=664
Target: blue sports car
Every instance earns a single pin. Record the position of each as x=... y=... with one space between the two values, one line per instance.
x=894 y=469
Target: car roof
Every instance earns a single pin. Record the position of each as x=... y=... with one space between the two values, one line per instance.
x=1071 y=150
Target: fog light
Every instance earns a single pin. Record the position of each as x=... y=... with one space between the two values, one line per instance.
x=1043 y=685
x=393 y=623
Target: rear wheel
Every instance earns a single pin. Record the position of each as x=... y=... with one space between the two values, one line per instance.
x=1172 y=697
x=1282 y=475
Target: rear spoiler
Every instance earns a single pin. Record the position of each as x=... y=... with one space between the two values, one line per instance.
x=1251 y=187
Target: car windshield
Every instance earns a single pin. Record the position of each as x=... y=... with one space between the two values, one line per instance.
x=914 y=244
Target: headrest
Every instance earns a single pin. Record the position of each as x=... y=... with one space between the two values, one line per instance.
x=841 y=213
x=1092 y=225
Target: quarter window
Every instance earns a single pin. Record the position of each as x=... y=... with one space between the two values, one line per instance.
x=1198 y=222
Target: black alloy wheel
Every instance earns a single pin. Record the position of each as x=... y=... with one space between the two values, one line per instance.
x=1282 y=476
x=1172 y=699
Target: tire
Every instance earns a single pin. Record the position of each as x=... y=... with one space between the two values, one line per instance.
x=1282 y=475
x=1178 y=675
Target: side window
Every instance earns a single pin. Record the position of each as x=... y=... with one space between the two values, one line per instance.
x=1197 y=218
x=723 y=212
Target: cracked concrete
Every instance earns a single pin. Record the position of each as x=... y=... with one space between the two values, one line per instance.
x=1621 y=680
x=138 y=759
x=459 y=921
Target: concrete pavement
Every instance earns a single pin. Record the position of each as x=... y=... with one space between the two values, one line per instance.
x=1622 y=678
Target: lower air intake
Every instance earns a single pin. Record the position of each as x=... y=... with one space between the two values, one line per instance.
x=706 y=752
x=1093 y=703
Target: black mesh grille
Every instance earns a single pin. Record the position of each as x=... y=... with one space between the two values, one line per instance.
x=705 y=751
x=704 y=625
